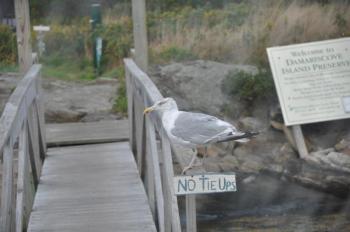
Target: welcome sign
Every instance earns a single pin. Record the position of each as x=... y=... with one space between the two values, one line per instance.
x=312 y=80
x=205 y=183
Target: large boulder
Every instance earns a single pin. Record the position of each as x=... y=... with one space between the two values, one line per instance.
x=197 y=85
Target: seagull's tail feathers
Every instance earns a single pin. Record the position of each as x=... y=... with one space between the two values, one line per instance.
x=241 y=138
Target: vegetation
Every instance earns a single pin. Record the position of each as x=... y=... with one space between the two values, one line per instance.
x=230 y=31
x=8 y=46
x=249 y=86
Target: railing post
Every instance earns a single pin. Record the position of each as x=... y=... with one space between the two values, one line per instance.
x=39 y=110
x=154 y=165
x=23 y=172
x=191 y=220
x=131 y=110
x=169 y=174
x=7 y=188
x=34 y=151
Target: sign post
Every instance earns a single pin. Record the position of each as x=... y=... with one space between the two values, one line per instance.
x=312 y=82
x=97 y=40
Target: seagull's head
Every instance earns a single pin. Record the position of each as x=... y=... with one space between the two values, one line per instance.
x=162 y=105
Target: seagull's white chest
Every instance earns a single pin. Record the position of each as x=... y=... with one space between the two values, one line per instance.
x=168 y=119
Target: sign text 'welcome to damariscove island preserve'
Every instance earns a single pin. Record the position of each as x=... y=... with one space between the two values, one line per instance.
x=205 y=183
x=312 y=80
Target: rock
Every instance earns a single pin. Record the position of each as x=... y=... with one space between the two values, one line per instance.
x=339 y=160
x=251 y=124
x=72 y=101
x=8 y=82
x=249 y=179
x=196 y=85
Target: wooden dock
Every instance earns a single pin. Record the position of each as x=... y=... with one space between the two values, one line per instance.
x=91 y=188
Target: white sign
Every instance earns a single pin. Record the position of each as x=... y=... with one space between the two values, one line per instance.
x=312 y=80
x=41 y=28
x=205 y=183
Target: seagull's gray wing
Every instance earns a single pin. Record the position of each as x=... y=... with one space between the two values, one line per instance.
x=200 y=128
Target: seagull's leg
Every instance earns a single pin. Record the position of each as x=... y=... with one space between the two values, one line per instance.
x=190 y=165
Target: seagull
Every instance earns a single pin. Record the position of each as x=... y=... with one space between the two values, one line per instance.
x=191 y=130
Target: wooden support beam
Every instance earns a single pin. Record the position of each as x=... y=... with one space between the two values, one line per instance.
x=140 y=33
x=191 y=214
x=169 y=174
x=300 y=142
x=23 y=35
x=7 y=189
x=154 y=165
x=23 y=174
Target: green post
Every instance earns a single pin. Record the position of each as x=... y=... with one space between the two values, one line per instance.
x=97 y=40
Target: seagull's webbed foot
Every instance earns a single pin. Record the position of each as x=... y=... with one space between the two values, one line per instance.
x=191 y=164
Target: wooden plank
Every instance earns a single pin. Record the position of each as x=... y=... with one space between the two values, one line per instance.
x=140 y=33
x=154 y=165
x=86 y=133
x=7 y=189
x=300 y=142
x=91 y=188
x=23 y=172
x=23 y=35
x=169 y=173
x=191 y=218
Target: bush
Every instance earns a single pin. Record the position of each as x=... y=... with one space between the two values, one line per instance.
x=249 y=86
x=121 y=103
x=8 y=46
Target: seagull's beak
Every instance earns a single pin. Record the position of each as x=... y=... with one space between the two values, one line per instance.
x=148 y=110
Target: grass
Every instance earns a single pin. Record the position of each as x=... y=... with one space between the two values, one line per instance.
x=121 y=102
x=8 y=68
x=67 y=68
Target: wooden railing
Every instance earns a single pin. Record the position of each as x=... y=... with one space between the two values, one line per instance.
x=155 y=168
x=21 y=135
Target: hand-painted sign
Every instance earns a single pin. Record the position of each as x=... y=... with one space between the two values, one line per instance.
x=205 y=183
x=312 y=80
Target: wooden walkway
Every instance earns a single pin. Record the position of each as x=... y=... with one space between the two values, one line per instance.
x=91 y=188
x=103 y=176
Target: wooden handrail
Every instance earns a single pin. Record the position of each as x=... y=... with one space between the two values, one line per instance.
x=23 y=121
x=155 y=168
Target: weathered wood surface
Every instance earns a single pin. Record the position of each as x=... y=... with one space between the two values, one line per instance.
x=156 y=169
x=91 y=188
x=300 y=142
x=87 y=133
x=20 y=122
x=23 y=35
x=15 y=111
x=140 y=33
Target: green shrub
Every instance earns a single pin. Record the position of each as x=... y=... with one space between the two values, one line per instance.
x=249 y=86
x=121 y=103
x=8 y=46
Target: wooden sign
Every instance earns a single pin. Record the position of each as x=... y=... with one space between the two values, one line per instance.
x=312 y=80
x=205 y=183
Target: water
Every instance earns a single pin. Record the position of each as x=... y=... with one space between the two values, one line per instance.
x=269 y=204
